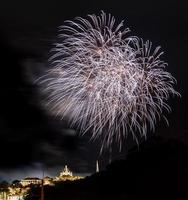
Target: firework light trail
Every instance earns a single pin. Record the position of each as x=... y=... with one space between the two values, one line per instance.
x=105 y=81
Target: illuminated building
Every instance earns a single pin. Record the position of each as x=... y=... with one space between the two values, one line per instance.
x=30 y=180
x=17 y=193
x=3 y=195
x=66 y=174
x=48 y=181
x=15 y=197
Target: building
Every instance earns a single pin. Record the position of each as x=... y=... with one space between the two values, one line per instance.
x=48 y=181
x=66 y=174
x=15 y=197
x=3 y=195
x=30 y=181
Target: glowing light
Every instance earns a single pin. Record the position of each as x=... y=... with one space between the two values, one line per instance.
x=105 y=81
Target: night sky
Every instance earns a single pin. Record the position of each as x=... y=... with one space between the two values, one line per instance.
x=32 y=139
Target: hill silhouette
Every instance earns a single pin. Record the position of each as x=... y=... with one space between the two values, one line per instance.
x=157 y=170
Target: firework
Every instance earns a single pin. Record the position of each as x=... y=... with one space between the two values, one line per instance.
x=107 y=83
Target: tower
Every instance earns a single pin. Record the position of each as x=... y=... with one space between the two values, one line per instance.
x=97 y=166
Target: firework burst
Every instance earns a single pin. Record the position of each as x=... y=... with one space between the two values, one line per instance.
x=105 y=81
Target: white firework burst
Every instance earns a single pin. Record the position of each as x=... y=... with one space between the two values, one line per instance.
x=105 y=81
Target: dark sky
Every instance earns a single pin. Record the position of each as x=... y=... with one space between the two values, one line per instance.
x=30 y=138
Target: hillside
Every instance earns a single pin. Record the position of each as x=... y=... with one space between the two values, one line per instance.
x=158 y=170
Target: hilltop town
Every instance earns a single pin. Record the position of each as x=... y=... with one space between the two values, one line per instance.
x=18 y=190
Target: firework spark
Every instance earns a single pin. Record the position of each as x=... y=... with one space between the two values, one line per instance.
x=105 y=81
